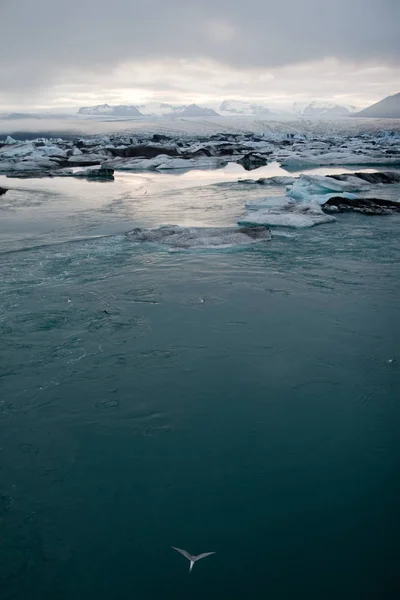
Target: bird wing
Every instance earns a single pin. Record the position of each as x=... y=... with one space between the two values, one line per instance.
x=204 y=555
x=185 y=554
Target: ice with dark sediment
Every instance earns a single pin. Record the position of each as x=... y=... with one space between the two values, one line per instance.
x=303 y=196
x=177 y=237
x=293 y=149
x=301 y=207
x=276 y=180
x=164 y=163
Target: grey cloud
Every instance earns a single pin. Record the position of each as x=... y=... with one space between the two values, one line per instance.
x=43 y=40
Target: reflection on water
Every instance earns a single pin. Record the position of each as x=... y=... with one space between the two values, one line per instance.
x=36 y=211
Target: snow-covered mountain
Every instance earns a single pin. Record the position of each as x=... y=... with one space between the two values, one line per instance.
x=194 y=110
x=153 y=109
x=387 y=108
x=243 y=108
x=123 y=110
x=323 y=109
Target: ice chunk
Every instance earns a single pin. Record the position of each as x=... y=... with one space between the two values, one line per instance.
x=277 y=180
x=330 y=184
x=85 y=160
x=162 y=162
x=191 y=163
x=292 y=214
x=307 y=186
x=174 y=236
x=52 y=150
x=27 y=166
x=297 y=163
x=10 y=140
x=18 y=150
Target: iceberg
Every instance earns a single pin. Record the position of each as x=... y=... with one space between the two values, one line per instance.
x=297 y=163
x=308 y=186
x=297 y=215
x=162 y=162
x=192 y=163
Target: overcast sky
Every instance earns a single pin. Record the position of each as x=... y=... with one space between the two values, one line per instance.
x=65 y=53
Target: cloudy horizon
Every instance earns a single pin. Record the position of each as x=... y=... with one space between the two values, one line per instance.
x=58 y=56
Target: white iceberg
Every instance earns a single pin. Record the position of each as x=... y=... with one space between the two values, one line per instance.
x=292 y=214
x=308 y=186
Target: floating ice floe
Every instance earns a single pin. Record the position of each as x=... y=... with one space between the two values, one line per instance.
x=307 y=186
x=192 y=163
x=297 y=163
x=277 y=180
x=301 y=207
x=292 y=214
x=174 y=236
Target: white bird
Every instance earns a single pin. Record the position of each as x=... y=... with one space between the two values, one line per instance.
x=192 y=559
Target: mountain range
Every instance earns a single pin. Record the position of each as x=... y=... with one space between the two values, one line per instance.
x=151 y=110
x=387 y=108
x=122 y=110
x=243 y=108
x=323 y=109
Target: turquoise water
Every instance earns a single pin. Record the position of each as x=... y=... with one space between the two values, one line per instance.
x=242 y=401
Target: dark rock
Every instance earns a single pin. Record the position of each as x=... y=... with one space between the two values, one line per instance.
x=143 y=151
x=2 y=191
x=367 y=206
